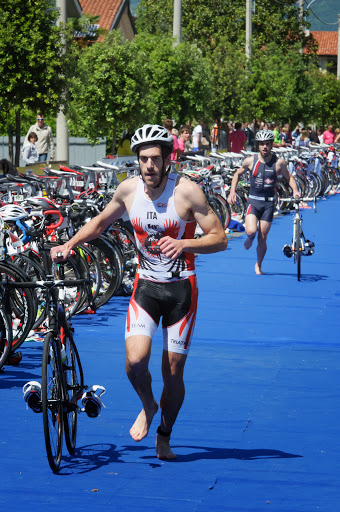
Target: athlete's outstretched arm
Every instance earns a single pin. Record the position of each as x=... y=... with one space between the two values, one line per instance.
x=199 y=210
x=113 y=211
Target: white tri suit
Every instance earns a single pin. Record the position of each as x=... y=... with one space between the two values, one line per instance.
x=163 y=287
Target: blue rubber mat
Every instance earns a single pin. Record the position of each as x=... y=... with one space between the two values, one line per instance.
x=259 y=427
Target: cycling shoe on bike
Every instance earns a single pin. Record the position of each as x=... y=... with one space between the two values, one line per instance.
x=92 y=403
x=14 y=359
x=32 y=395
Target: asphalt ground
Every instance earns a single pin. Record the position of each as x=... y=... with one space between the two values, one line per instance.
x=259 y=427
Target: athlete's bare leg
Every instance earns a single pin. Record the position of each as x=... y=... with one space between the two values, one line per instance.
x=138 y=350
x=264 y=228
x=251 y=229
x=171 y=400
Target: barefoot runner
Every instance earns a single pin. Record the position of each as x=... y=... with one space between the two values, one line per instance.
x=163 y=209
x=264 y=169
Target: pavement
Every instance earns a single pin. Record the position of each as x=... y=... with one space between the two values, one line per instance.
x=259 y=427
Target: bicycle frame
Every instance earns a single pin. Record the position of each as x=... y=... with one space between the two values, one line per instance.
x=299 y=244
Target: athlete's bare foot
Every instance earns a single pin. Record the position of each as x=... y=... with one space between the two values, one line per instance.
x=163 y=449
x=141 y=426
x=258 y=270
x=248 y=243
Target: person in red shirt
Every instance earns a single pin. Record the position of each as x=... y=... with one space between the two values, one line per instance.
x=184 y=135
x=329 y=135
x=237 y=139
x=168 y=124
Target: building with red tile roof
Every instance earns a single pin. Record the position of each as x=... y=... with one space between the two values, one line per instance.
x=114 y=15
x=328 y=48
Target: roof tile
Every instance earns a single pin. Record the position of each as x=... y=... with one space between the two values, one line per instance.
x=328 y=42
x=106 y=9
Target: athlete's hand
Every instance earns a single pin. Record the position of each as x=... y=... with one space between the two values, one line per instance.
x=231 y=198
x=171 y=247
x=59 y=253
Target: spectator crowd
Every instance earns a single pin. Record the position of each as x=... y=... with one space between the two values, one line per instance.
x=236 y=136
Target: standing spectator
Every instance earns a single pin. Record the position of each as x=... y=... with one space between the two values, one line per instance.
x=184 y=135
x=337 y=136
x=45 y=141
x=249 y=134
x=319 y=134
x=312 y=135
x=284 y=136
x=296 y=133
x=169 y=125
x=214 y=136
x=303 y=140
x=223 y=137
x=276 y=133
x=329 y=135
x=30 y=153
x=237 y=139
x=197 y=136
x=289 y=138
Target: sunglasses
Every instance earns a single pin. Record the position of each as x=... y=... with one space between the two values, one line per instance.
x=40 y=118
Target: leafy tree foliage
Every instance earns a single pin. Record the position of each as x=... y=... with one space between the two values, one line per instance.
x=30 y=59
x=179 y=79
x=207 y=22
x=109 y=89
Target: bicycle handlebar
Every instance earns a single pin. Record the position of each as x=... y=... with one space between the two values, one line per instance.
x=46 y=284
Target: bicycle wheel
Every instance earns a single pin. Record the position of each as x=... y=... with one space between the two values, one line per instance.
x=111 y=271
x=298 y=249
x=22 y=305
x=238 y=209
x=128 y=246
x=52 y=401
x=74 y=383
x=34 y=272
x=5 y=336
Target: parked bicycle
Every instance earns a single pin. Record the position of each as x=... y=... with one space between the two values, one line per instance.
x=300 y=246
x=62 y=384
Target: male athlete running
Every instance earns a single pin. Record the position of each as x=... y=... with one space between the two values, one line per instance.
x=163 y=209
x=264 y=169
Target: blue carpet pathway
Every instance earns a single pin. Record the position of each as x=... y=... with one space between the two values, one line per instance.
x=259 y=428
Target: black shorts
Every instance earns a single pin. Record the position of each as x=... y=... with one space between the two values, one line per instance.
x=263 y=210
x=174 y=301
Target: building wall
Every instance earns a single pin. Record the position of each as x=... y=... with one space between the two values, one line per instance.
x=125 y=26
x=80 y=151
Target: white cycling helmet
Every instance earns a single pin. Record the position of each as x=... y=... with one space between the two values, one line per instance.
x=264 y=136
x=13 y=212
x=151 y=133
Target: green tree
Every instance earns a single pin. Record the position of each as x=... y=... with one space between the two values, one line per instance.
x=31 y=61
x=179 y=79
x=279 y=87
x=207 y=22
x=229 y=75
x=108 y=91
x=325 y=102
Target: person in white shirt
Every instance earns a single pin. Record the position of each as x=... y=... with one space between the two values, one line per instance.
x=30 y=152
